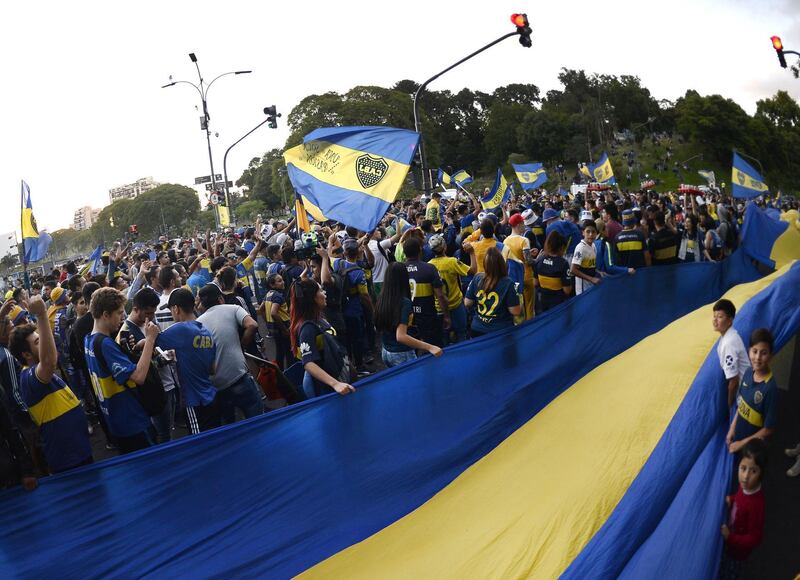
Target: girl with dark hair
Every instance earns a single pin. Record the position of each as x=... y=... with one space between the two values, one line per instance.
x=314 y=342
x=692 y=244
x=494 y=295
x=551 y=272
x=394 y=317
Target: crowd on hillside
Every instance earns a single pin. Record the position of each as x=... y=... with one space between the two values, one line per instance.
x=152 y=332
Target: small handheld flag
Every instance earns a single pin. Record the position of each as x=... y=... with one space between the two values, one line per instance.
x=530 y=175
x=444 y=178
x=746 y=181
x=498 y=194
x=34 y=244
x=462 y=178
x=352 y=174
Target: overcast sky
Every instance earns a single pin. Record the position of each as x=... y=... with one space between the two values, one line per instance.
x=82 y=108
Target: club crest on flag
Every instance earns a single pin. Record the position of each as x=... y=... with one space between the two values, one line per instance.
x=370 y=170
x=740 y=177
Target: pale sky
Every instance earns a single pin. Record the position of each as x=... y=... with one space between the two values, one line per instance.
x=82 y=109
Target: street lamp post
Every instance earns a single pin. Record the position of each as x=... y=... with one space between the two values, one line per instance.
x=203 y=89
x=523 y=31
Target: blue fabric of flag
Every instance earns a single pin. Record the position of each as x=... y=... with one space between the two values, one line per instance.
x=746 y=182
x=34 y=244
x=530 y=175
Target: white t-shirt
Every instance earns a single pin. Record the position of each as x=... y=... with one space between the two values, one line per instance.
x=732 y=354
x=585 y=258
x=381 y=263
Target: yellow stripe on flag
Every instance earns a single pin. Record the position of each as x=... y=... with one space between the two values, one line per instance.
x=530 y=506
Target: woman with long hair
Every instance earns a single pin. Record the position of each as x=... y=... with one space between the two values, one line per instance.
x=494 y=296
x=692 y=242
x=551 y=272
x=712 y=246
x=394 y=318
x=324 y=360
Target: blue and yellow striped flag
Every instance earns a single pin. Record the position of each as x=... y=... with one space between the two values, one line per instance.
x=602 y=172
x=746 y=181
x=34 y=244
x=462 y=178
x=444 y=178
x=499 y=194
x=530 y=175
x=352 y=174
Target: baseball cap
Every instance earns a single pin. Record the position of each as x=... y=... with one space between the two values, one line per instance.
x=585 y=215
x=350 y=244
x=436 y=242
x=515 y=220
x=549 y=214
x=182 y=298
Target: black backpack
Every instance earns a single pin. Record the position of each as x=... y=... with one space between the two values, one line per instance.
x=335 y=295
x=150 y=394
x=335 y=361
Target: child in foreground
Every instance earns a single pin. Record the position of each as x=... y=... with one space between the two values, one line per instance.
x=744 y=525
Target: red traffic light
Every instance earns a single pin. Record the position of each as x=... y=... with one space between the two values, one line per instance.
x=776 y=42
x=521 y=21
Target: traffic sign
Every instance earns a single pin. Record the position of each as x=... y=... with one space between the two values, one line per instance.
x=214 y=198
x=220 y=185
x=207 y=179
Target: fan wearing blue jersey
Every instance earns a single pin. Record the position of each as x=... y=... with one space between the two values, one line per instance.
x=196 y=353
x=52 y=405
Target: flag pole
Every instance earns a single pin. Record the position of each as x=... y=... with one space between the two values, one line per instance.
x=25 y=280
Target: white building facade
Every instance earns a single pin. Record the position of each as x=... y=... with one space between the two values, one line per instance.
x=132 y=190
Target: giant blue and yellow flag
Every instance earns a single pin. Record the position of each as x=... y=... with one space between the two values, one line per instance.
x=352 y=174
x=34 y=244
x=499 y=194
x=530 y=175
x=746 y=181
x=401 y=478
x=602 y=172
x=462 y=178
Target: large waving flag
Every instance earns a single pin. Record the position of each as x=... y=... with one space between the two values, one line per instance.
x=352 y=174
x=462 y=178
x=530 y=175
x=444 y=178
x=746 y=181
x=419 y=495
x=602 y=172
x=499 y=194
x=34 y=244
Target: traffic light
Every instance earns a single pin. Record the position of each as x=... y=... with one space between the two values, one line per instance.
x=523 y=29
x=778 y=46
x=272 y=116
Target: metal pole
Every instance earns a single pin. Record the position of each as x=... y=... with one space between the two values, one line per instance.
x=225 y=162
x=425 y=183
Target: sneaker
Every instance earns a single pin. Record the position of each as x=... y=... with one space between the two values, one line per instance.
x=794 y=470
x=793 y=452
x=111 y=446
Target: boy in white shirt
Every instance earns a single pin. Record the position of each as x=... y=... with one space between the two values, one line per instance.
x=584 y=259
x=731 y=351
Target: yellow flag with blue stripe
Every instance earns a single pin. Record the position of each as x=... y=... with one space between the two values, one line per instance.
x=530 y=175
x=34 y=244
x=352 y=174
x=746 y=181
x=602 y=172
x=498 y=194
x=462 y=178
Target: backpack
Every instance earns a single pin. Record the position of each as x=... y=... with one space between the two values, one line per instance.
x=335 y=361
x=150 y=394
x=341 y=286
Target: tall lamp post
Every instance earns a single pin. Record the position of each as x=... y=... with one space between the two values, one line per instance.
x=202 y=90
x=523 y=31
